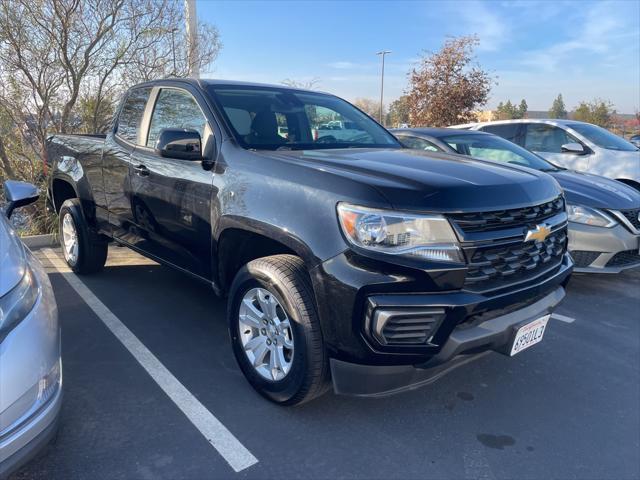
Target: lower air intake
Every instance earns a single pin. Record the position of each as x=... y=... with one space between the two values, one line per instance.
x=406 y=326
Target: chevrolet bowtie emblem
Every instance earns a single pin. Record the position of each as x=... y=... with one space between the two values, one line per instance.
x=539 y=233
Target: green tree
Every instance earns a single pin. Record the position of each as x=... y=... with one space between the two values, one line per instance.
x=558 y=110
x=448 y=86
x=599 y=112
x=505 y=111
x=522 y=109
x=398 y=111
x=509 y=111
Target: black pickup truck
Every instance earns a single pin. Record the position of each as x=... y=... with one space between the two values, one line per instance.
x=344 y=257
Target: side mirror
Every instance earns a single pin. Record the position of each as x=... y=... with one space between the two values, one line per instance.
x=179 y=143
x=19 y=194
x=573 y=147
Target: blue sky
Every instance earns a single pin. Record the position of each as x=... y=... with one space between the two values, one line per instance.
x=536 y=49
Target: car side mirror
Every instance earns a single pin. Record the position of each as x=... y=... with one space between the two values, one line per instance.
x=573 y=147
x=179 y=143
x=18 y=194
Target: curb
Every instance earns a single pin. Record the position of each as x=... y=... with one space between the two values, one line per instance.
x=39 y=241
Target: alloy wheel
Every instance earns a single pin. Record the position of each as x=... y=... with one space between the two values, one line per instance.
x=266 y=334
x=69 y=239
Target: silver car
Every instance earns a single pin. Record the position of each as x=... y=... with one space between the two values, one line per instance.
x=604 y=215
x=574 y=145
x=30 y=363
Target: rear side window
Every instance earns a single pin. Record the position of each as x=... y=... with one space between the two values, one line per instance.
x=175 y=109
x=131 y=114
x=508 y=131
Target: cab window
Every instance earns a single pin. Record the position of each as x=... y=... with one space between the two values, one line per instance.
x=130 y=118
x=175 y=109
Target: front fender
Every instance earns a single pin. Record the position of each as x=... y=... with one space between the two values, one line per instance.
x=273 y=232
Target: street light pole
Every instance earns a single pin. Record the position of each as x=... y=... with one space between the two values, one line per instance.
x=173 y=48
x=192 y=36
x=382 y=53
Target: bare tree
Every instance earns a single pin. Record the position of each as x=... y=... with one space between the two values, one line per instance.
x=64 y=62
x=448 y=86
x=370 y=107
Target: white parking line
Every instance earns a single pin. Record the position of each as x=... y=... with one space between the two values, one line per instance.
x=562 y=318
x=236 y=455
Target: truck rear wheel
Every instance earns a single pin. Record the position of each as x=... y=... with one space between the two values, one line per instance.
x=275 y=331
x=83 y=250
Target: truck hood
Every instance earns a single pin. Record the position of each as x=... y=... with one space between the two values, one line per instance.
x=595 y=191
x=417 y=180
x=12 y=257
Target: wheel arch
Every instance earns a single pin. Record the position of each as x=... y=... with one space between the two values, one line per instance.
x=631 y=183
x=62 y=189
x=237 y=245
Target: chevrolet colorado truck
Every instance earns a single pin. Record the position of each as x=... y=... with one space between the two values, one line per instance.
x=350 y=260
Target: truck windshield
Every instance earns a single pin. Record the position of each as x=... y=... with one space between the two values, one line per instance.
x=497 y=149
x=602 y=138
x=271 y=118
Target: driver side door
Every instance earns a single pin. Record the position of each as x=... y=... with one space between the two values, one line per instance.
x=171 y=198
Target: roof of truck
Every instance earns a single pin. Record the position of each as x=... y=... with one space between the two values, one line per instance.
x=204 y=82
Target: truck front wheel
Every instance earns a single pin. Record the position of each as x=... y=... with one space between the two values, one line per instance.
x=275 y=332
x=83 y=250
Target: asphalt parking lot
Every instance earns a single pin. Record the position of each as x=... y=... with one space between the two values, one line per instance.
x=566 y=408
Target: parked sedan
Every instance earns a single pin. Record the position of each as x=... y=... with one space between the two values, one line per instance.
x=30 y=364
x=604 y=215
x=575 y=145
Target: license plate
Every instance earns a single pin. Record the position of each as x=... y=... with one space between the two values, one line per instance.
x=529 y=334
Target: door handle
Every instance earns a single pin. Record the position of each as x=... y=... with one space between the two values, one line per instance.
x=141 y=170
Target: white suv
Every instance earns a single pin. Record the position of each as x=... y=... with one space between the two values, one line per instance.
x=573 y=145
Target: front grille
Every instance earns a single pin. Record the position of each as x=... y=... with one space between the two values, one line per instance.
x=583 y=258
x=623 y=259
x=502 y=219
x=492 y=267
x=632 y=216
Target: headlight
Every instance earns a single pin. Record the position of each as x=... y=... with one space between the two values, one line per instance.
x=394 y=233
x=589 y=216
x=16 y=304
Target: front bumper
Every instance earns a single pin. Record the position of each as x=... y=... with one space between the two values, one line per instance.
x=30 y=394
x=603 y=250
x=350 y=290
x=463 y=346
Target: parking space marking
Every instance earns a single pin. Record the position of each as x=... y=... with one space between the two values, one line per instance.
x=562 y=318
x=236 y=454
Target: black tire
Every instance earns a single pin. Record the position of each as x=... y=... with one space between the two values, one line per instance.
x=286 y=278
x=92 y=250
